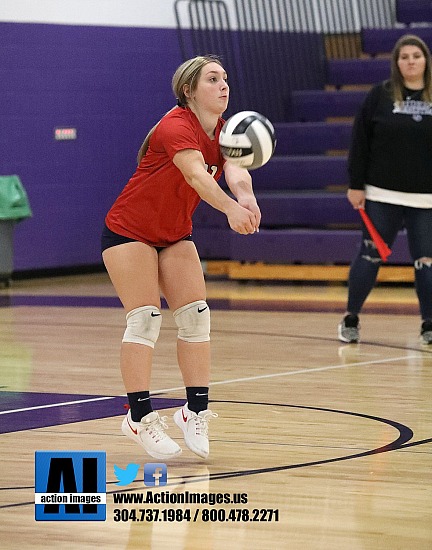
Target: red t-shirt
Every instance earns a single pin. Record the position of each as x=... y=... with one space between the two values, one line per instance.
x=157 y=204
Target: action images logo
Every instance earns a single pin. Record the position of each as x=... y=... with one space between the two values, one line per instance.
x=70 y=486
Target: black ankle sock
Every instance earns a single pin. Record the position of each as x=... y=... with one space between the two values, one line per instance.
x=140 y=404
x=426 y=325
x=351 y=320
x=197 y=398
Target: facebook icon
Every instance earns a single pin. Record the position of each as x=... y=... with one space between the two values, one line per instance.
x=155 y=474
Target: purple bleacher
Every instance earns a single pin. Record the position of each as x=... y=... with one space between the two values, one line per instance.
x=207 y=216
x=357 y=71
x=306 y=246
x=311 y=172
x=213 y=243
x=319 y=104
x=376 y=41
x=413 y=11
x=311 y=138
x=306 y=209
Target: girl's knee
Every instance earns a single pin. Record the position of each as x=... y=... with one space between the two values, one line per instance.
x=370 y=253
x=424 y=261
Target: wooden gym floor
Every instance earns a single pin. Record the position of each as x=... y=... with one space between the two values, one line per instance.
x=335 y=440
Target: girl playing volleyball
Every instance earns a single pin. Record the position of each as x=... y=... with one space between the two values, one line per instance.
x=148 y=250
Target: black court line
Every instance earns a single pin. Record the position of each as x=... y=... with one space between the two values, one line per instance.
x=405 y=435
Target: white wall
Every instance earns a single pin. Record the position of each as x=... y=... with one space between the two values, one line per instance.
x=131 y=13
x=160 y=13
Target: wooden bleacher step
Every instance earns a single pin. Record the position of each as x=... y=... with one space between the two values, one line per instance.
x=320 y=273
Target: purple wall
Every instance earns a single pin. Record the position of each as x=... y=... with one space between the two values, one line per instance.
x=110 y=83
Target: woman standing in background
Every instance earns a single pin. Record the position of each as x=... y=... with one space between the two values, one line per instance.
x=390 y=168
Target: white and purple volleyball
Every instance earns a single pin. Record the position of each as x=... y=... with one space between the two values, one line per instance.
x=247 y=139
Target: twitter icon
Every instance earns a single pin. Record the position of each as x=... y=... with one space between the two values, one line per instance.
x=127 y=475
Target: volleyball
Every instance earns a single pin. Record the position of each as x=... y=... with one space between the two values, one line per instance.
x=247 y=139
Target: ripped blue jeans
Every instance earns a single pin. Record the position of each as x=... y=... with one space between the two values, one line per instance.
x=388 y=220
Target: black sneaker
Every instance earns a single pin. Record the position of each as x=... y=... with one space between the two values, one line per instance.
x=348 y=329
x=426 y=332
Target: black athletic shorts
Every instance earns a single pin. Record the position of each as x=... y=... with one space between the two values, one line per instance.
x=109 y=238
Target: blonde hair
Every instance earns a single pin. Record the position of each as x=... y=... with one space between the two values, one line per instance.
x=184 y=80
x=396 y=80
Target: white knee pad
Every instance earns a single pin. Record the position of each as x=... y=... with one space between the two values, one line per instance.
x=193 y=321
x=143 y=326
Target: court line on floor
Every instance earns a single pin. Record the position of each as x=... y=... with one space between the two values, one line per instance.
x=223 y=382
x=64 y=403
x=300 y=371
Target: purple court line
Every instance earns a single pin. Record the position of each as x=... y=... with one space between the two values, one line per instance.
x=219 y=304
x=31 y=410
x=66 y=301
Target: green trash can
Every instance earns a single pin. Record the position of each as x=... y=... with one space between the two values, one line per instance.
x=14 y=207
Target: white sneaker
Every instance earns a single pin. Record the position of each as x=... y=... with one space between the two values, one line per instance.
x=349 y=329
x=426 y=332
x=150 y=434
x=195 y=429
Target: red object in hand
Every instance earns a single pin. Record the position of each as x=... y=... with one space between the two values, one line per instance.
x=383 y=250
